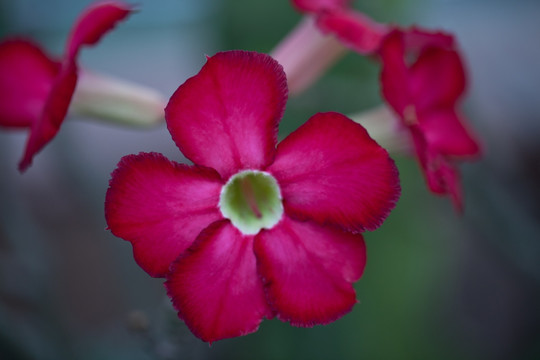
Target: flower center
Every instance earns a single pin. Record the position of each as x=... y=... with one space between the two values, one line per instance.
x=251 y=199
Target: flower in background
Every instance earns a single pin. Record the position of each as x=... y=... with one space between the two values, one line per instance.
x=252 y=230
x=36 y=90
x=422 y=79
x=423 y=93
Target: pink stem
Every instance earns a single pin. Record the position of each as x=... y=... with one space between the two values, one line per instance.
x=305 y=54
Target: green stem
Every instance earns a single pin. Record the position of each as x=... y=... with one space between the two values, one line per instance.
x=117 y=101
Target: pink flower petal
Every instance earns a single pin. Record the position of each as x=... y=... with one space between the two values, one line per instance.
x=443 y=178
x=309 y=270
x=215 y=286
x=354 y=29
x=160 y=207
x=330 y=170
x=417 y=39
x=394 y=73
x=45 y=127
x=437 y=78
x=319 y=5
x=26 y=78
x=226 y=116
x=441 y=175
x=446 y=133
x=97 y=20
x=421 y=85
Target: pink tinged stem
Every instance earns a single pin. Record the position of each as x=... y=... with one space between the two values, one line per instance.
x=306 y=53
x=117 y=101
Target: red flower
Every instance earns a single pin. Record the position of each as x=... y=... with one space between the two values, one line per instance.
x=35 y=90
x=251 y=230
x=424 y=93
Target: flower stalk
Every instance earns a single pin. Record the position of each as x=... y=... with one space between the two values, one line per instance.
x=117 y=101
x=306 y=54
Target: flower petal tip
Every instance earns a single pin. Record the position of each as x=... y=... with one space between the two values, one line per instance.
x=234 y=91
x=214 y=285
x=96 y=21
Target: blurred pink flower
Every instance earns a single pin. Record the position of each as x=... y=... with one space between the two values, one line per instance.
x=424 y=93
x=422 y=79
x=36 y=90
x=252 y=230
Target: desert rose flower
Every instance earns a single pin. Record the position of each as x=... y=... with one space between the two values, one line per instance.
x=424 y=94
x=423 y=79
x=35 y=89
x=252 y=230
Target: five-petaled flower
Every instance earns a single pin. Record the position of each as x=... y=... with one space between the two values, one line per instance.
x=252 y=230
x=422 y=80
x=36 y=90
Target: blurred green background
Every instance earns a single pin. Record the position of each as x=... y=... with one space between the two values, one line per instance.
x=437 y=285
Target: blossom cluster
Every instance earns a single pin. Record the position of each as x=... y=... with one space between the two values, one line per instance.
x=257 y=228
